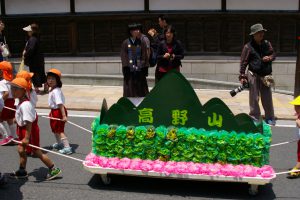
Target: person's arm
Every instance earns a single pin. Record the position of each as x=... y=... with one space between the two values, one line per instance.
x=5 y=95
x=63 y=113
x=180 y=51
x=161 y=53
x=25 y=140
x=30 y=47
x=244 y=63
x=272 y=55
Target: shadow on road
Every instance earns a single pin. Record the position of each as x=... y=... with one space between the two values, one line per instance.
x=182 y=188
x=12 y=190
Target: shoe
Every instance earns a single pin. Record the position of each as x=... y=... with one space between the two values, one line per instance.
x=57 y=146
x=20 y=174
x=66 y=150
x=53 y=173
x=271 y=122
x=6 y=141
x=293 y=175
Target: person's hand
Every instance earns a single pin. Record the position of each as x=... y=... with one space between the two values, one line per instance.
x=25 y=141
x=243 y=80
x=266 y=59
x=152 y=32
x=167 y=55
x=64 y=119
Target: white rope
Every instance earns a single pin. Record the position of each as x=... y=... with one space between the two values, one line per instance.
x=36 y=147
x=57 y=119
x=282 y=143
x=287 y=172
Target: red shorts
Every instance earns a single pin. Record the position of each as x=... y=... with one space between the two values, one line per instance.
x=34 y=136
x=56 y=125
x=6 y=113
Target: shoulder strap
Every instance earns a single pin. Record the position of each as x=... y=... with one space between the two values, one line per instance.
x=253 y=50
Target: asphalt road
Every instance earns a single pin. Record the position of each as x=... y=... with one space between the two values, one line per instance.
x=77 y=183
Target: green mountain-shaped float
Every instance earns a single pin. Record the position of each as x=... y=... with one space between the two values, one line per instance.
x=173 y=102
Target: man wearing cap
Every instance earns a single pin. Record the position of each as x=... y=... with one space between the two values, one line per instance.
x=258 y=55
x=134 y=64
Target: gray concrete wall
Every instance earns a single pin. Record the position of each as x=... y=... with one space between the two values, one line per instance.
x=223 y=71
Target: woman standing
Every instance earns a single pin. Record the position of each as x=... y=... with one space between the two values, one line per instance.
x=34 y=57
x=169 y=54
x=2 y=40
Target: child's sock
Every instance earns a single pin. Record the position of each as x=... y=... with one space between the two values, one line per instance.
x=51 y=167
x=3 y=130
x=65 y=142
x=13 y=131
x=8 y=132
x=57 y=137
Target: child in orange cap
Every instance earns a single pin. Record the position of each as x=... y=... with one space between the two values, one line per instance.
x=6 y=74
x=56 y=102
x=32 y=96
x=27 y=76
x=28 y=130
x=296 y=103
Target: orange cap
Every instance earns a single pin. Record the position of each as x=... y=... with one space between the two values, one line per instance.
x=7 y=70
x=21 y=83
x=26 y=75
x=55 y=71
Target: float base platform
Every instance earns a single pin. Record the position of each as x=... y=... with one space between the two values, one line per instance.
x=254 y=182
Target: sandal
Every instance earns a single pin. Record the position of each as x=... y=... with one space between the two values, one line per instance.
x=293 y=175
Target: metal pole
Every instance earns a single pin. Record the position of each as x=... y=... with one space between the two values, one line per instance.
x=297 y=73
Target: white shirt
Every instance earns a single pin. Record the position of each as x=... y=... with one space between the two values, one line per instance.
x=5 y=87
x=25 y=112
x=55 y=98
x=33 y=99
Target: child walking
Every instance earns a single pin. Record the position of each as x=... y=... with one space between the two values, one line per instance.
x=296 y=103
x=6 y=75
x=56 y=102
x=28 y=130
x=32 y=97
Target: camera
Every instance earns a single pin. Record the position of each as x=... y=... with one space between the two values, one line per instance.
x=239 y=89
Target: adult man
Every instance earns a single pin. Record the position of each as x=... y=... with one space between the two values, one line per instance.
x=157 y=38
x=134 y=59
x=258 y=54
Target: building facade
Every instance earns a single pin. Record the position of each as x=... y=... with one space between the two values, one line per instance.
x=97 y=27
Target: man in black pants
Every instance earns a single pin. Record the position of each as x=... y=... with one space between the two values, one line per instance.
x=258 y=54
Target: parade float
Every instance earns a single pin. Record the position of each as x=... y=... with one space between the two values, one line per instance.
x=170 y=134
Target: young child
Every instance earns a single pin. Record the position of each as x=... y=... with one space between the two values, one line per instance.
x=32 y=97
x=296 y=103
x=6 y=75
x=28 y=130
x=56 y=102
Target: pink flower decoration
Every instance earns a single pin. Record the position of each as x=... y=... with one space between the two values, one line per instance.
x=146 y=165
x=124 y=163
x=249 y=171
x=158 y=166
x=172 y=167
x=135 y=164
x=113 y=162
x=181 y=167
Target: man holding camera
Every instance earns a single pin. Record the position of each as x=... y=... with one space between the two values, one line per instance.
x=258 y=55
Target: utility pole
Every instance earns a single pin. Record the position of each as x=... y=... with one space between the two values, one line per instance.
x=297 y=73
